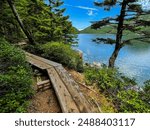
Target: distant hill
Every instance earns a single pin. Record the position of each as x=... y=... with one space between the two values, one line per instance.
x=76 y=30
x=112 y=28
x=103 y=30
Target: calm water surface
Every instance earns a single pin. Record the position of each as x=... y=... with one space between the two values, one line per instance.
x=133 y=60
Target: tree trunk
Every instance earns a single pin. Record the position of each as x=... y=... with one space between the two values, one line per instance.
x=113 y=57
x=12 y=6
x=119 y=44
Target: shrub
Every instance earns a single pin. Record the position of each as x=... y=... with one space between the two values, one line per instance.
x=15 y=79
x=118 y=89
x=131 y=101
x=145 y=94
x=107 y=79
x=147 y=86
x=34 y=49
x=63 y=54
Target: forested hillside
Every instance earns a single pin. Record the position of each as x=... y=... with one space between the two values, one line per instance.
x=103 y=30
x=111 y=29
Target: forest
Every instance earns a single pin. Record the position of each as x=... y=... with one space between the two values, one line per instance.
x=48 y=33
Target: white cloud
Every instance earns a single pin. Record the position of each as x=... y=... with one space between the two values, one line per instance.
x=87 y=8
x=90 y=10
x=145 y=4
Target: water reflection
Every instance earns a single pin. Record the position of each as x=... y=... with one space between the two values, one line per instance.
x=133 y=60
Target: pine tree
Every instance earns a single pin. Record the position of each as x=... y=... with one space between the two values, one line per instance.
x=9 y=28
x=17 y=17
x=46 y=22
x=63 y=27
x=129 y=9
x=40 y=22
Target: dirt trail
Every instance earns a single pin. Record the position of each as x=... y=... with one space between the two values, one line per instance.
x=44 y=101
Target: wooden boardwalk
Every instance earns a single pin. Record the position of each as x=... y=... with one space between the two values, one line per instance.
x=70 y=98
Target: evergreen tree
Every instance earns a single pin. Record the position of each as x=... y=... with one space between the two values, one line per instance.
x=63 y=27
x=9 y=28
x=37 y=20
x=40 y=22
x=46 y=22
x=129 y=9
x=17 y=17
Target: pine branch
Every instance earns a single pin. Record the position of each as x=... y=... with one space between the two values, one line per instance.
x=143 y=39
x=106 y=3
x=104 y=22
x=104 y=40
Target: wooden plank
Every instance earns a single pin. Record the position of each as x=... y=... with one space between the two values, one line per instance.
x=74 y=90
x=43 y=85
x=66 y=89
x=49 y=62
x=43 y=88
x=65 y=99
x=37 y=63
x=43 y=82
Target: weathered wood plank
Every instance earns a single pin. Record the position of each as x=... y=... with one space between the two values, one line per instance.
x=74 y=90
x=43 y=85
x=65 y=99
x=67 y=90
x=37 y=63
x=43 y=82
x=49 y=62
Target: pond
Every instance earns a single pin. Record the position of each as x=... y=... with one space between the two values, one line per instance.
x=133 y=60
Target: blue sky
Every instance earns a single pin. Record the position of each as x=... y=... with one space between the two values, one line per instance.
x=82 y=12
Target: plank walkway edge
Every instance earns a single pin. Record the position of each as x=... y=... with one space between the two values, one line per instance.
x=70 y=98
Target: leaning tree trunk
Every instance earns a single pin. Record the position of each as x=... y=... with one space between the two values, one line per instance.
x=114 y=57
x=12 y=6
x=119 y=44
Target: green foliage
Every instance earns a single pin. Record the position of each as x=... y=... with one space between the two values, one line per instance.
x=147 y=85
x=44 y=22
x=108 y=79
x=146 y=91
x=129 y=36
x=76 y=31
x=118 y=89
x=131 y=101
x=15 y=79
x=62 y=53
x=103 y=30
x=9 y=28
